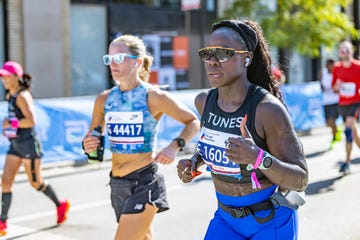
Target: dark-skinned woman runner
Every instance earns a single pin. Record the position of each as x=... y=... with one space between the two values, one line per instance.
x=247 y=140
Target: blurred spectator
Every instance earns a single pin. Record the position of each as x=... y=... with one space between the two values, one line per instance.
x=330 y=101
x=278 y=74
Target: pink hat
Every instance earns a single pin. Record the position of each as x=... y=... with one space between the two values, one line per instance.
x=10 y=68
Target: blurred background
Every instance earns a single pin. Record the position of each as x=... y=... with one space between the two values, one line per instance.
x=61 y=44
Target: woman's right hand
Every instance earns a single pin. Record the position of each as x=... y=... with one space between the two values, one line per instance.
x=187 y=170
x=184 y=170
x=5 y=123
x=90 y=143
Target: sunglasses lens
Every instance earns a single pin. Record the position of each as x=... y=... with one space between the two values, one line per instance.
x=118 y=58
x=223 y=55
x=107 y=59
x=206 y=54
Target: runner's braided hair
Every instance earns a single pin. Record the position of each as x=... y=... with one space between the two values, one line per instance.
x=259 y=71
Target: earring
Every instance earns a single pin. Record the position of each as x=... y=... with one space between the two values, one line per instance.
x=247 y=61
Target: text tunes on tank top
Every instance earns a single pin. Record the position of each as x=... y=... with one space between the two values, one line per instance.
x=218 y=126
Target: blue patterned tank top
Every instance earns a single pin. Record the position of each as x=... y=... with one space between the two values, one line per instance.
x=129 y=124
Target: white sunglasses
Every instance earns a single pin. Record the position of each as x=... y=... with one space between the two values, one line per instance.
x=117 y=58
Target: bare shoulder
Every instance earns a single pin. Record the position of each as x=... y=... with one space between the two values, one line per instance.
x=101 y=98
x=161 y=99
x=201 y=96
x=24 y=97
x=25 y=94
x=272 y=115
x=157 y=94
x=200 y=101
x=271 y=105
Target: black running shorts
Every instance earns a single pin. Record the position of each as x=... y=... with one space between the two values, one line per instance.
x=130 y=193
x=25 y=146
x=331 y=111
x=351 y=110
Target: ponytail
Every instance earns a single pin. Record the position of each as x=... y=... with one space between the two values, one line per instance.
x=25 y=81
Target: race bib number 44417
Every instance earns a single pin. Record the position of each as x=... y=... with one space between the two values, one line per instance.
x=125 y=127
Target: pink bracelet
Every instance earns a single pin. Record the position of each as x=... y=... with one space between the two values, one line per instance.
x=255 y=182
x=259 y=158
x=14 y=123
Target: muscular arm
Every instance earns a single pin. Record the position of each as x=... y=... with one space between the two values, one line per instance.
x=289 y=168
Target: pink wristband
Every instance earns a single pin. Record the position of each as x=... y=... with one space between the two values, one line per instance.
x=14 y=123
x=259 y=158
x=255 y=182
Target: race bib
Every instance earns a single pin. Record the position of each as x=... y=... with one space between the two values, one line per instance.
x=124 y=128
x=212 y=147
x=347 y=89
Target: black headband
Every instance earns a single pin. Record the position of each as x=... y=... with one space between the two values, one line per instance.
x=245 y=31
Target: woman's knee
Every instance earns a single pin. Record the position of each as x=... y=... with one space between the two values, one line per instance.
x=6 y=185
x=36 y=184
x=7 y=180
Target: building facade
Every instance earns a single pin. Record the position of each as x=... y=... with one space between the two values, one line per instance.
x=61 y=43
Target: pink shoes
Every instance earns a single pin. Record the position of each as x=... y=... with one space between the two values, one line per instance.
x=62 y=211
x=3 y=228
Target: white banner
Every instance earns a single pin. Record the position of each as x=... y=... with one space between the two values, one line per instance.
x=190 y=5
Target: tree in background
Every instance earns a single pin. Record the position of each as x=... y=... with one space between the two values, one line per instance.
x=305 y=25
x=301 y=25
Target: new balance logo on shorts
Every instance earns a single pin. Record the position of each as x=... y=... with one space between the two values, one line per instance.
x=138 y=206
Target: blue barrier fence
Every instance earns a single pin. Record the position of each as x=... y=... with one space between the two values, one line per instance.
x=61 y=123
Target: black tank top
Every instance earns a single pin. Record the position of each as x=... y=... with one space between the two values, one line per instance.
x=15 y=112
x=218 y=126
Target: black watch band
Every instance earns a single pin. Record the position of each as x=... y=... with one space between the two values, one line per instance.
x=180 y=142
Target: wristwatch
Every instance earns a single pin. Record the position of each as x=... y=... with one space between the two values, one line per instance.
x=180 y=142
x=266 y=161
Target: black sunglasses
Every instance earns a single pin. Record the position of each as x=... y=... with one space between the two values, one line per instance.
x=222 y=54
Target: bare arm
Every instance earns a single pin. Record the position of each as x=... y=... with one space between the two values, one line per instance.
x=289 y=168
x=91 y=143
x=187 y=169
x=273 y=123
x=25 y=102
x=161 y=102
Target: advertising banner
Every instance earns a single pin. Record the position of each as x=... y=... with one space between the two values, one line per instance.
x=62 y=123
x=187 y=5
x=304 y=102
